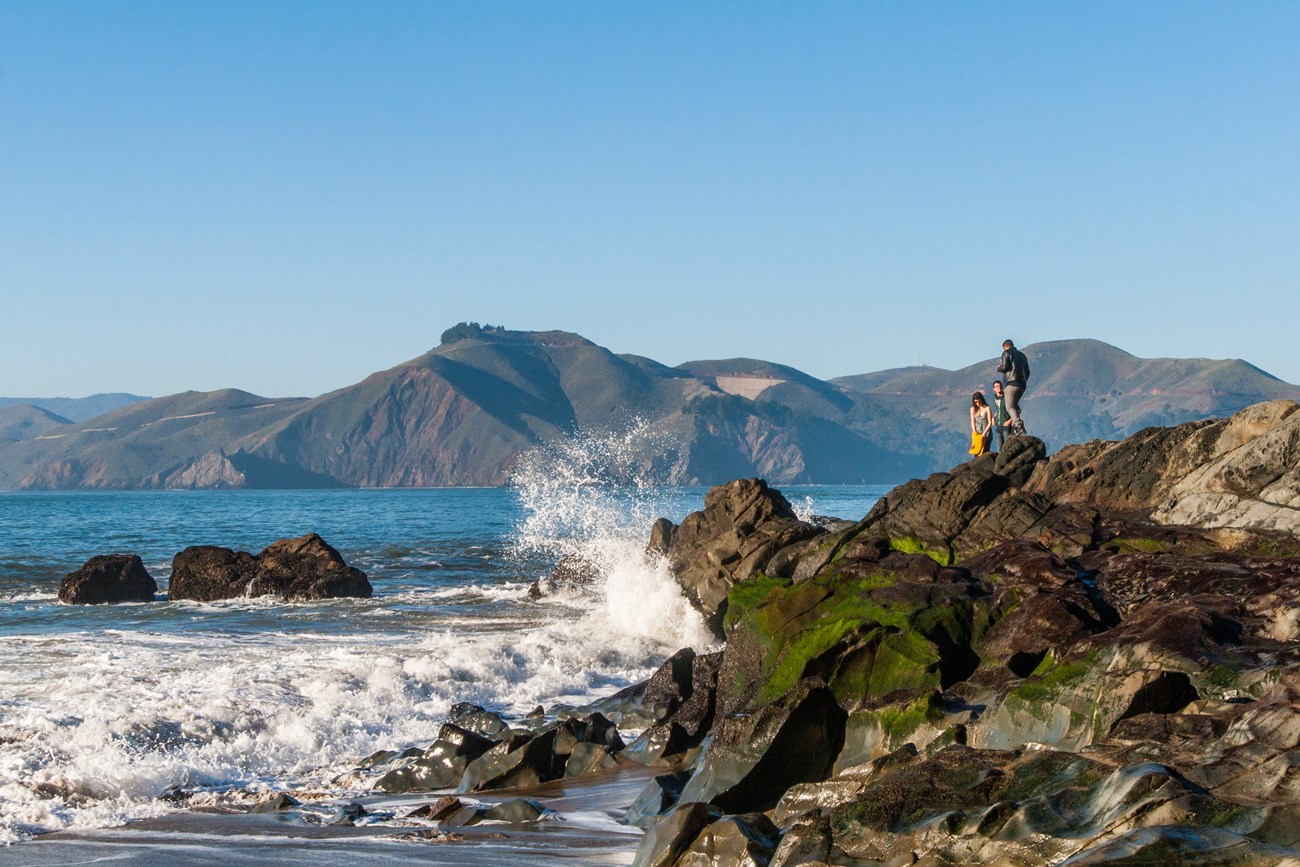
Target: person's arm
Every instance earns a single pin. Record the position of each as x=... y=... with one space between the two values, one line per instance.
x=972 y=419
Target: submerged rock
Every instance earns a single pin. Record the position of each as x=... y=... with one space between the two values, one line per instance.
x=108 y=578
x=516 y=811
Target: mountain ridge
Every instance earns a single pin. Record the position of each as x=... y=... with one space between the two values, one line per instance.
x=463 y=412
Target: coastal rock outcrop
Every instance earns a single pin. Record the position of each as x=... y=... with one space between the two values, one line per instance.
x=1242 y=471
x=744 y=525
x=477 y=751
x=1094 y=657
x=303 y=568
x=108 y=578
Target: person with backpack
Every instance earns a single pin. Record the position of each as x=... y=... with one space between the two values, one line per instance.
x=1015 y=367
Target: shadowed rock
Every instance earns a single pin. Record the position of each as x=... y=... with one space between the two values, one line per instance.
x=743 y=525
x=1021 y=661
x=108 y=578
x=304 y=568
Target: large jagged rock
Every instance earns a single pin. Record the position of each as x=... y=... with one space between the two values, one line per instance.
x=754 y=759
x=931 y=515
x=1022 y=661
x=1242 y=472
x=682 y=695
x=108 y=578
x=298 y=569
x=441 y=766
x=566 y=748
x=743 y=525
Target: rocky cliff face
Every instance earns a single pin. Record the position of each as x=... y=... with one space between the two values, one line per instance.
x=1093 y=657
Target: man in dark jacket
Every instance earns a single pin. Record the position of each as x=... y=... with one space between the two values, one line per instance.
x=1015 y=367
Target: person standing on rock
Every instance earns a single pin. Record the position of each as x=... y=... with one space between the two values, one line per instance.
x=1000 y=416
x=981 y=424
x=1016 y=369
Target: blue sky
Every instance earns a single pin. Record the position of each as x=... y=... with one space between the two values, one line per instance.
x=284 y=197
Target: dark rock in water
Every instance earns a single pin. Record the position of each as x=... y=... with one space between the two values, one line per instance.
x=441 y=766
x=667 y=841
x=520 y=760
x=475 y=719
x=205 y=573
x=656 y=798
x=661 y=537
x=306 y=568
x=516 y=811
x=108 y=578
x=298 y=569
x=744 y=524
x=462 y=815
x=436 y=811
x=566 y=748
x=747 y=840
x=683 y=694
x=277 y=803
x=377 y=758
x=574 y=569
x=347 y=814
x=625 y=707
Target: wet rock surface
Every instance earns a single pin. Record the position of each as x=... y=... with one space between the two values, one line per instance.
x=299 y=569
x=743 y=525
x=108 y=578
x=1087 y=659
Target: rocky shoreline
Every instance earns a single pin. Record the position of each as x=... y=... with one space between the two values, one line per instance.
x=1091 y=659
x=1087 y=659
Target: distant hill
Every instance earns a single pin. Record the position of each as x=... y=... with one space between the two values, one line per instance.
x=1083 y=389
x=22 y=421
x=77 y=408
x=463 y=413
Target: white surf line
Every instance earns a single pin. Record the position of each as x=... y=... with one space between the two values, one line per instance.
x=96 y=429
x=51 y=436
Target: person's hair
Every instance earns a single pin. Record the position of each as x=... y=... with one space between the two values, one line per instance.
x=1007 y=344
x=978 y=398
x=997 y=382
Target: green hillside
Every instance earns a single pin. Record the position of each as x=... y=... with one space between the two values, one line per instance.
x=23 y=421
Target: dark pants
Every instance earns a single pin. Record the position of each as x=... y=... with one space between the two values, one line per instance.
x=1001 y=433
x=1012 y=394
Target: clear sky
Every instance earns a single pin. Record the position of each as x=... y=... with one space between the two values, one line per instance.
x=287 y=196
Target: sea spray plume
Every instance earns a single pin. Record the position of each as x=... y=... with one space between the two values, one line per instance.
x=590 y=499
x=588 y=485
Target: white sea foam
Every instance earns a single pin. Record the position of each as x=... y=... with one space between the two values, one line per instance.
x=96 y=725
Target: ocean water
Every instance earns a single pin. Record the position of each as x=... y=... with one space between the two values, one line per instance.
x=105 y=709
